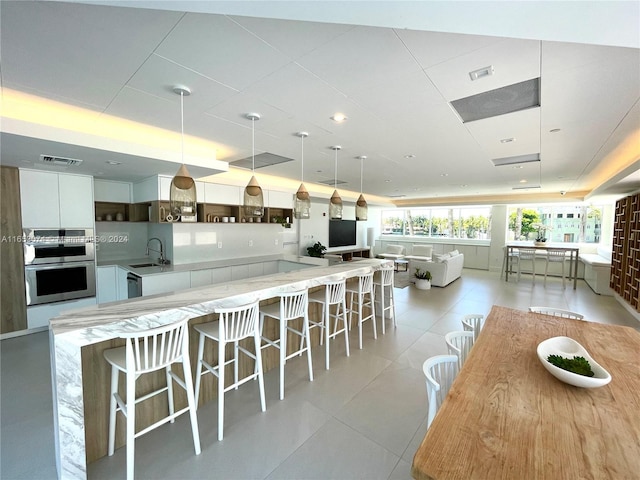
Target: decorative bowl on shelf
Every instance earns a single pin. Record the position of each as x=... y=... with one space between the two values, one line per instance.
x=568 y=348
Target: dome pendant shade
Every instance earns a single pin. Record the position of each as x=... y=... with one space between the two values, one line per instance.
x=361 y=209
x=335 y=206
x=253 y=199
x=302 y=203
x=182 y=195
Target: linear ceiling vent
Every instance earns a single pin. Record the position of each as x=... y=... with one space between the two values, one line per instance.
x=509 y=99
x=262 y=160
x=518 y=159
x=528 y=187
x=51 y=160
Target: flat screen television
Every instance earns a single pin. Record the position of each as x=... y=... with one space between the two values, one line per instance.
x=342 y=233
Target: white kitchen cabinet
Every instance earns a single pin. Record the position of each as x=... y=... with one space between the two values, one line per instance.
x=55 y=200
x=221 y=275
x=200 y=278
x=222 y=194
x=111 y=191
x=166 y=282
x=76 y=200
x=153 y=188
x=111 y=284
x=269 y=268
x=39 y=199
x=252 y=270
x=106 y=284
x=39 y=315
x=279 y=199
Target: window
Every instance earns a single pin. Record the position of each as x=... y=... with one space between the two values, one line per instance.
x=525 y=221
x=446 y=222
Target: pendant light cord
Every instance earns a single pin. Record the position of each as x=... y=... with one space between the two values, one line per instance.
x=361 y=170
x=302 y=158
x=335 y=172
x=182 y=123
x=253 y=144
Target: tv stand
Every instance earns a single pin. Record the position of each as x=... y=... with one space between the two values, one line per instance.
x=349 y=253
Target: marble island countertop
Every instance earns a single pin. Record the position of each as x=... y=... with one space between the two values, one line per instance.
x=129 y=263
x=75 y=329
x=96 y=323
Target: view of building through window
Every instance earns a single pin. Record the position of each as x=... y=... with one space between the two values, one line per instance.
x=555 y=223
x=449 y=222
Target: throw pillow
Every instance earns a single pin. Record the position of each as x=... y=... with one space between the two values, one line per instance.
x=453 y=253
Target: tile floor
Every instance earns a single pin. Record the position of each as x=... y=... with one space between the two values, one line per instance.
x=362 y=419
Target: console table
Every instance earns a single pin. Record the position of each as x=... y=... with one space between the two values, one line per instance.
x=350 y=253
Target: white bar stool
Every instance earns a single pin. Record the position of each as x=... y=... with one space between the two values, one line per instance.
x=358 y=295
x=333 y=294
x=385 y=286
x=554 y=256
x=527 y=254
x=233 y=325
x=146 y=352
x=292 y=305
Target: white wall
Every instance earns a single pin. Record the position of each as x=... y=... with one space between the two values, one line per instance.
x=316 y=228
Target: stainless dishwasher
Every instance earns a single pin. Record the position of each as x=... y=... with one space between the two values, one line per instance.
x=134 y=285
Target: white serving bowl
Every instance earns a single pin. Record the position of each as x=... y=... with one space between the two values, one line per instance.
x=569 y=348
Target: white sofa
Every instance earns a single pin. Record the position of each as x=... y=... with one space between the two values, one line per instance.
x=444 y=268
x=393 y=252
x=420 y=253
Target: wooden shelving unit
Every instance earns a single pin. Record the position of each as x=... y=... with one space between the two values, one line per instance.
x=625 y=260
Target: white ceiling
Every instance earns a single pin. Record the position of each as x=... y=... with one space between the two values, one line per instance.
x=393 y=84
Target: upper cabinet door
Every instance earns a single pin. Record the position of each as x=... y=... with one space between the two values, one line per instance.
x=280 y=199
x=222 y=194
x=39 y=199
x=76 y=201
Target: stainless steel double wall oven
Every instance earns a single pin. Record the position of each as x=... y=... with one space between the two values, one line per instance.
x=59 y=264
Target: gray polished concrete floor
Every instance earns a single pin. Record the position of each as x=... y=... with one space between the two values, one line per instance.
x=364 y=418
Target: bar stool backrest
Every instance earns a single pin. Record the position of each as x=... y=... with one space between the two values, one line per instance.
x=386 y=276
x=154 y=349
x=557 y=312
x=365 y=282
x=294 y=304
x=440 y=372
x=459 y=343
x=334 y=292
x=237 y=323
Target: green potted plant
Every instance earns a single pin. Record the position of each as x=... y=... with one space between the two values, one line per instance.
x=423 y=279
x=316 y=250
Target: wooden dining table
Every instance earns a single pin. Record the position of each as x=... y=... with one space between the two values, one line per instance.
x=507 y=417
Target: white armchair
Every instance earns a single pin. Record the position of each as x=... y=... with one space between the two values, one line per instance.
x=393 y=252
x=420 y=253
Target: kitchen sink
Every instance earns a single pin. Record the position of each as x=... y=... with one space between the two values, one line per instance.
x=142 y=265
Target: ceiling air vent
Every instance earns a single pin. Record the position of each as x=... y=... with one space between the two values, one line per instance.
x=262 y=160
x=332 y=181
x=52 y=160
x=518 y=159
x=509 y=99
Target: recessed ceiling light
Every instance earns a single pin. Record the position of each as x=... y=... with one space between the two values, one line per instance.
x=507 y=140
x=464 y=185
x=339 y=117
x=523 y=181
x=410 y=155
x=387 y=181
x=554 y=130
x=113 y=162
x=444 y=174
x=481 y=73
x=518 y=166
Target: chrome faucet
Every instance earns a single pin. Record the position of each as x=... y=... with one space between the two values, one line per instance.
x=162 y=260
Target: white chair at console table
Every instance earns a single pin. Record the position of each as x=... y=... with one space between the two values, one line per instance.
x=573 y=251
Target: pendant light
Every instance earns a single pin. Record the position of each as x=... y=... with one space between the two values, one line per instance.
x=253 y=199
x=301 y=200
x=361 y=204
x=335 y=204
x=182 y=192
